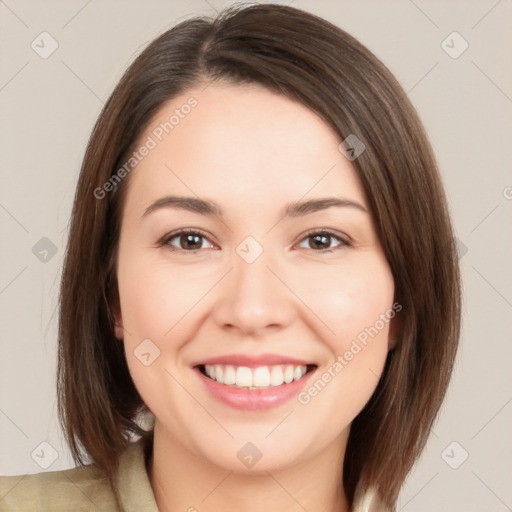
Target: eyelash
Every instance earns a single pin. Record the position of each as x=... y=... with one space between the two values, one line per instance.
x=342 y=242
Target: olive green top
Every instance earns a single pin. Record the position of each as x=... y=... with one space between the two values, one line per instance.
x=87 y=488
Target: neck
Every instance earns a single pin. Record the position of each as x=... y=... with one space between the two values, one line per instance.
x=182 y=481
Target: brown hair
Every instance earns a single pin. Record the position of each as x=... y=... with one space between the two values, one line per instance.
x=309 y=60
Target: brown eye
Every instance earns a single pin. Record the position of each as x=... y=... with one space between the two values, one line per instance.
x=320 y=241
x=187 y=241
x=191 y=241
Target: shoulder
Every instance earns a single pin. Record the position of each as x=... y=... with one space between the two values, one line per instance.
x=81 y=489
x=85 y=488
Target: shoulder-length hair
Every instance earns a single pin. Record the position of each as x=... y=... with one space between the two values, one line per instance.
x=309 y=60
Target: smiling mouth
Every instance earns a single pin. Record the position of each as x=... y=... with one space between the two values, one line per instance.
x=261 y=377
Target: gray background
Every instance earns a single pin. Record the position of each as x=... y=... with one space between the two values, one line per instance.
x=48 y=107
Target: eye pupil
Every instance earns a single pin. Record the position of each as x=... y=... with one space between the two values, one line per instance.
x=193 y=241
x=191 y=245
x=324 y=239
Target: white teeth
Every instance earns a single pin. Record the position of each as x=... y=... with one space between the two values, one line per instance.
x=288 y=374
x=230 y=375
x=276 y=376
x=255 y=378
x=261 y=377
x=297 y=373
x=210 y=371
x=243 y=377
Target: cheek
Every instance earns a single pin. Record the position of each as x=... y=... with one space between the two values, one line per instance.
x=350 y=300
x=156 y=297
x=160 y=303
x=355 y=309
x=158 y=300
x=154 y=302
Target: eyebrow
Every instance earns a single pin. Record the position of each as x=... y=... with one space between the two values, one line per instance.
x=210 y=208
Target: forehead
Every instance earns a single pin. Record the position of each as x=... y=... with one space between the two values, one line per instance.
x=242 y=145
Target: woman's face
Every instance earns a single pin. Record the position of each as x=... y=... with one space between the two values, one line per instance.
x=256 y=295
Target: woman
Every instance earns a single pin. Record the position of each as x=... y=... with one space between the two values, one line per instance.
x=261 y=262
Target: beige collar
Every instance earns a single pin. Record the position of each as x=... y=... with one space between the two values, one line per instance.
x=135 y=493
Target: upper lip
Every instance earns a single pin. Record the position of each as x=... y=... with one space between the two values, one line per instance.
x=252 y=361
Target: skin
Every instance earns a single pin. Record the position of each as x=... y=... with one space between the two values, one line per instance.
x=251 y=151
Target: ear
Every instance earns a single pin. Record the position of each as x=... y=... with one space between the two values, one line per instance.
x=118 y=317
x=395 y=330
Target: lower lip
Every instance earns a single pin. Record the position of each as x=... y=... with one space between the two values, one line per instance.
x=254 y=399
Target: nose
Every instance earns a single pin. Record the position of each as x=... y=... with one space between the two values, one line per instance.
x=254 y=298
